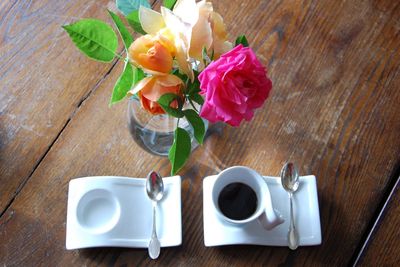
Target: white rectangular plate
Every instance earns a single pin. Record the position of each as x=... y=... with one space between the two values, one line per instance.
x=306 y=212
x=116 y=212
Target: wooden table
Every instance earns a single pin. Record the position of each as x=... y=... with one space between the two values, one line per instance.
x=335 y=110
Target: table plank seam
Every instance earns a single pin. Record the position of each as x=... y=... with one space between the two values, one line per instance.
x=74 y=112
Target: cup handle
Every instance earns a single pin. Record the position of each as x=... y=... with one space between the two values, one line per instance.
x=269 y=220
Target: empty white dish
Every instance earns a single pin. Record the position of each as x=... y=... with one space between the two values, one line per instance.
x=306 y=212
x=116 y=212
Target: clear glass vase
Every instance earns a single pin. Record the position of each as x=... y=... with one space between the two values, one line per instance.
x=155 y=133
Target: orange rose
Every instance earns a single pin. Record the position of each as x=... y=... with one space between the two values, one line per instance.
x=150 y=54
x=150 y=89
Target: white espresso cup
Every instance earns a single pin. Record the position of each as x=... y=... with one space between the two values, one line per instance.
x=264 y=211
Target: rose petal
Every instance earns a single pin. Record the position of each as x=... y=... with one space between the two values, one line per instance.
x=220 y=44
x=170 y=80
x=148 y=53
x=152 y=107
x=201 y=32
x=182 y=32
x=140 y=85
x=151 y=20
x=162 y=85
x=167 y=39
x=234 y=86
x=187 y=10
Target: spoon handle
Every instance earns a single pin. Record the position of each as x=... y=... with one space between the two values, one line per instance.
x=293 y=236
x=154 y=245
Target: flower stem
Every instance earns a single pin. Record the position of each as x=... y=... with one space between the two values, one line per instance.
x=191 y=103
x=122 y=58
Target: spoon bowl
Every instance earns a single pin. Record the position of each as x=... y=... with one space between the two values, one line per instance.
x=155 y=191
x=290 y=177
x=154 y=186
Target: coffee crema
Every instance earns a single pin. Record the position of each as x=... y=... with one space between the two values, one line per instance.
x=237 y=201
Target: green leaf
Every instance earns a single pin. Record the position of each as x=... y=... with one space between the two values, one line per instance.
x=196 y=97
x=165 y=101
x=197 y=124
x=123 y=31
x=138 y=75
x=193 y=87
x=241 y=40
x=180 y=150
x=134 y=22
x=127 y=6
x=123 y=84
x=94 y=38
x=181 y=76
x=169 y=3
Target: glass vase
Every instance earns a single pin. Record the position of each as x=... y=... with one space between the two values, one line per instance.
x=155 y=133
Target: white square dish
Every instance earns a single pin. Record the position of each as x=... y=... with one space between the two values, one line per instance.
x=306 y=214
x=116 y=212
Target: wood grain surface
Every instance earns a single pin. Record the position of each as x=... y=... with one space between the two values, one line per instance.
x=40 y=87
x=334 y=110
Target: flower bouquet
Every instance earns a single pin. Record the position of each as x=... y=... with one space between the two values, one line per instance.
x=182 y=65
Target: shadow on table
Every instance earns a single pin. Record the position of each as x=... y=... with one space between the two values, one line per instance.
x=112 y=256
x=334 y=225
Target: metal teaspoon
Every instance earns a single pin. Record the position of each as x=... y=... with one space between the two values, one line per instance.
x=290 y=182
x=155 y=191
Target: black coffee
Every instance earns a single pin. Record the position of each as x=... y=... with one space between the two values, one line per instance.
x=237 y=201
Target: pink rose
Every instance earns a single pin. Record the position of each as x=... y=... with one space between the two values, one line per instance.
x=234 y=86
